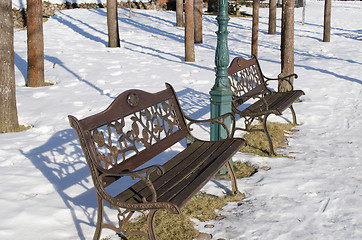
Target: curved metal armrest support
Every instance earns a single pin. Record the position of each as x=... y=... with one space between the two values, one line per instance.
x=261 y=97
x=238 y=99
x=285 y=78
x=220 y=120
x=138 y=174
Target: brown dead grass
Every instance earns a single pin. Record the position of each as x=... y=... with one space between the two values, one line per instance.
x=180 y=226
x=258 y=143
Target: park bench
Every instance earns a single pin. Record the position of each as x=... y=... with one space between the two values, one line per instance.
x=247 y=83
x=125 y=140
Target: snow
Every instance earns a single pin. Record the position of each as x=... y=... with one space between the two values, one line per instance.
x=47 y=192
x=20 y=4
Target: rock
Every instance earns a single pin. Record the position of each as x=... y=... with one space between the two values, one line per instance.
x=219 y=217
x=208 y=226
x=203 y=236
x=265 y=168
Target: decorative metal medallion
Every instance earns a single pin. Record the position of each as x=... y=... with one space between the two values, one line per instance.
x=133 y=99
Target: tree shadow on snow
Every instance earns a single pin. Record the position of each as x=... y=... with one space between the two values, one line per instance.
x=61 y=17
x=61 y=162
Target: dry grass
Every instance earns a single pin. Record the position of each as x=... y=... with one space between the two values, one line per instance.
x=201 y=207
x=179 y=226
x=21 y=128
x=258 y=143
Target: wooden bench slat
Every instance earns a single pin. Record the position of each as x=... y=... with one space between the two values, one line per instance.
x=129 y=194
x=203 y=174
x=180 y=173
x=176 y=169
x=277 y=102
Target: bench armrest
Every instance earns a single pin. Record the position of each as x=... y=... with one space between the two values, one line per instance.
x=285 y=78
x=138 y=174
x=220 y=120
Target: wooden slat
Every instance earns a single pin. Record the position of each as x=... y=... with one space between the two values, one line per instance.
x=277 y=103
x=182 y=171
x=187 y=175
x=128 y=194
x=182 y=166
x=197 y=180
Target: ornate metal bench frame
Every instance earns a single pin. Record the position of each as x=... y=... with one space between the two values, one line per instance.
x=248 y=82
x=136 y=128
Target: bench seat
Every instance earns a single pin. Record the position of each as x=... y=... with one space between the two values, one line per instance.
x=186 y=173
x=274 y=103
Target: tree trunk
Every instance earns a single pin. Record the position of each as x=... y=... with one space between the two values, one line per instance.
x=130 y=8
x=112 y=23
x=180 y=13
x=287 y=44
x=237 y=8
x=189 y=32
x=327 y=21
x=272 y=16
x=198 y=20
x=8 y=111
x=35 y=44
x=255 y=28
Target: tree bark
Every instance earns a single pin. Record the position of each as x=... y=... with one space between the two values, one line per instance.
x=272 y=17
x=130 y=8
x=8 y=111
x=287 y=44
x=35 y=44
x=327 y=21
x=112 y=23
x=189 y=32
x=180 y=13
x=198 y=20
x=255 y=28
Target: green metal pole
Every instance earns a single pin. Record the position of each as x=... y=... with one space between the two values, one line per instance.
x=220 y=93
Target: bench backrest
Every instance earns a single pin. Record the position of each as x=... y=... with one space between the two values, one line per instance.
x=245 y=78
x=136 y=127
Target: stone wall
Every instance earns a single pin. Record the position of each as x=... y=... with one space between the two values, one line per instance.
x=49 y=9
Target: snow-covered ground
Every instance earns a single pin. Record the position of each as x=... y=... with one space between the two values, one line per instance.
x=46 y=190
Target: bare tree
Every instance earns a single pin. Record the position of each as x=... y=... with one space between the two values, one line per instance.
x=327 y=21
x=8 y=111
x=272 y=17
x=198 y=20
x=35 y=44
x=112 y=23
x=287 y=44
x=255 y=28
x=180 y=13
x=189 y=32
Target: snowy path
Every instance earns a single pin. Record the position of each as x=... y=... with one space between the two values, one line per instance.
x=46 y=189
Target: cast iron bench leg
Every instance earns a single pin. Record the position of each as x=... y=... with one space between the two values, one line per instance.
x=271 y=147
x=150 y=223
x=294 y=116
x=98 y=231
